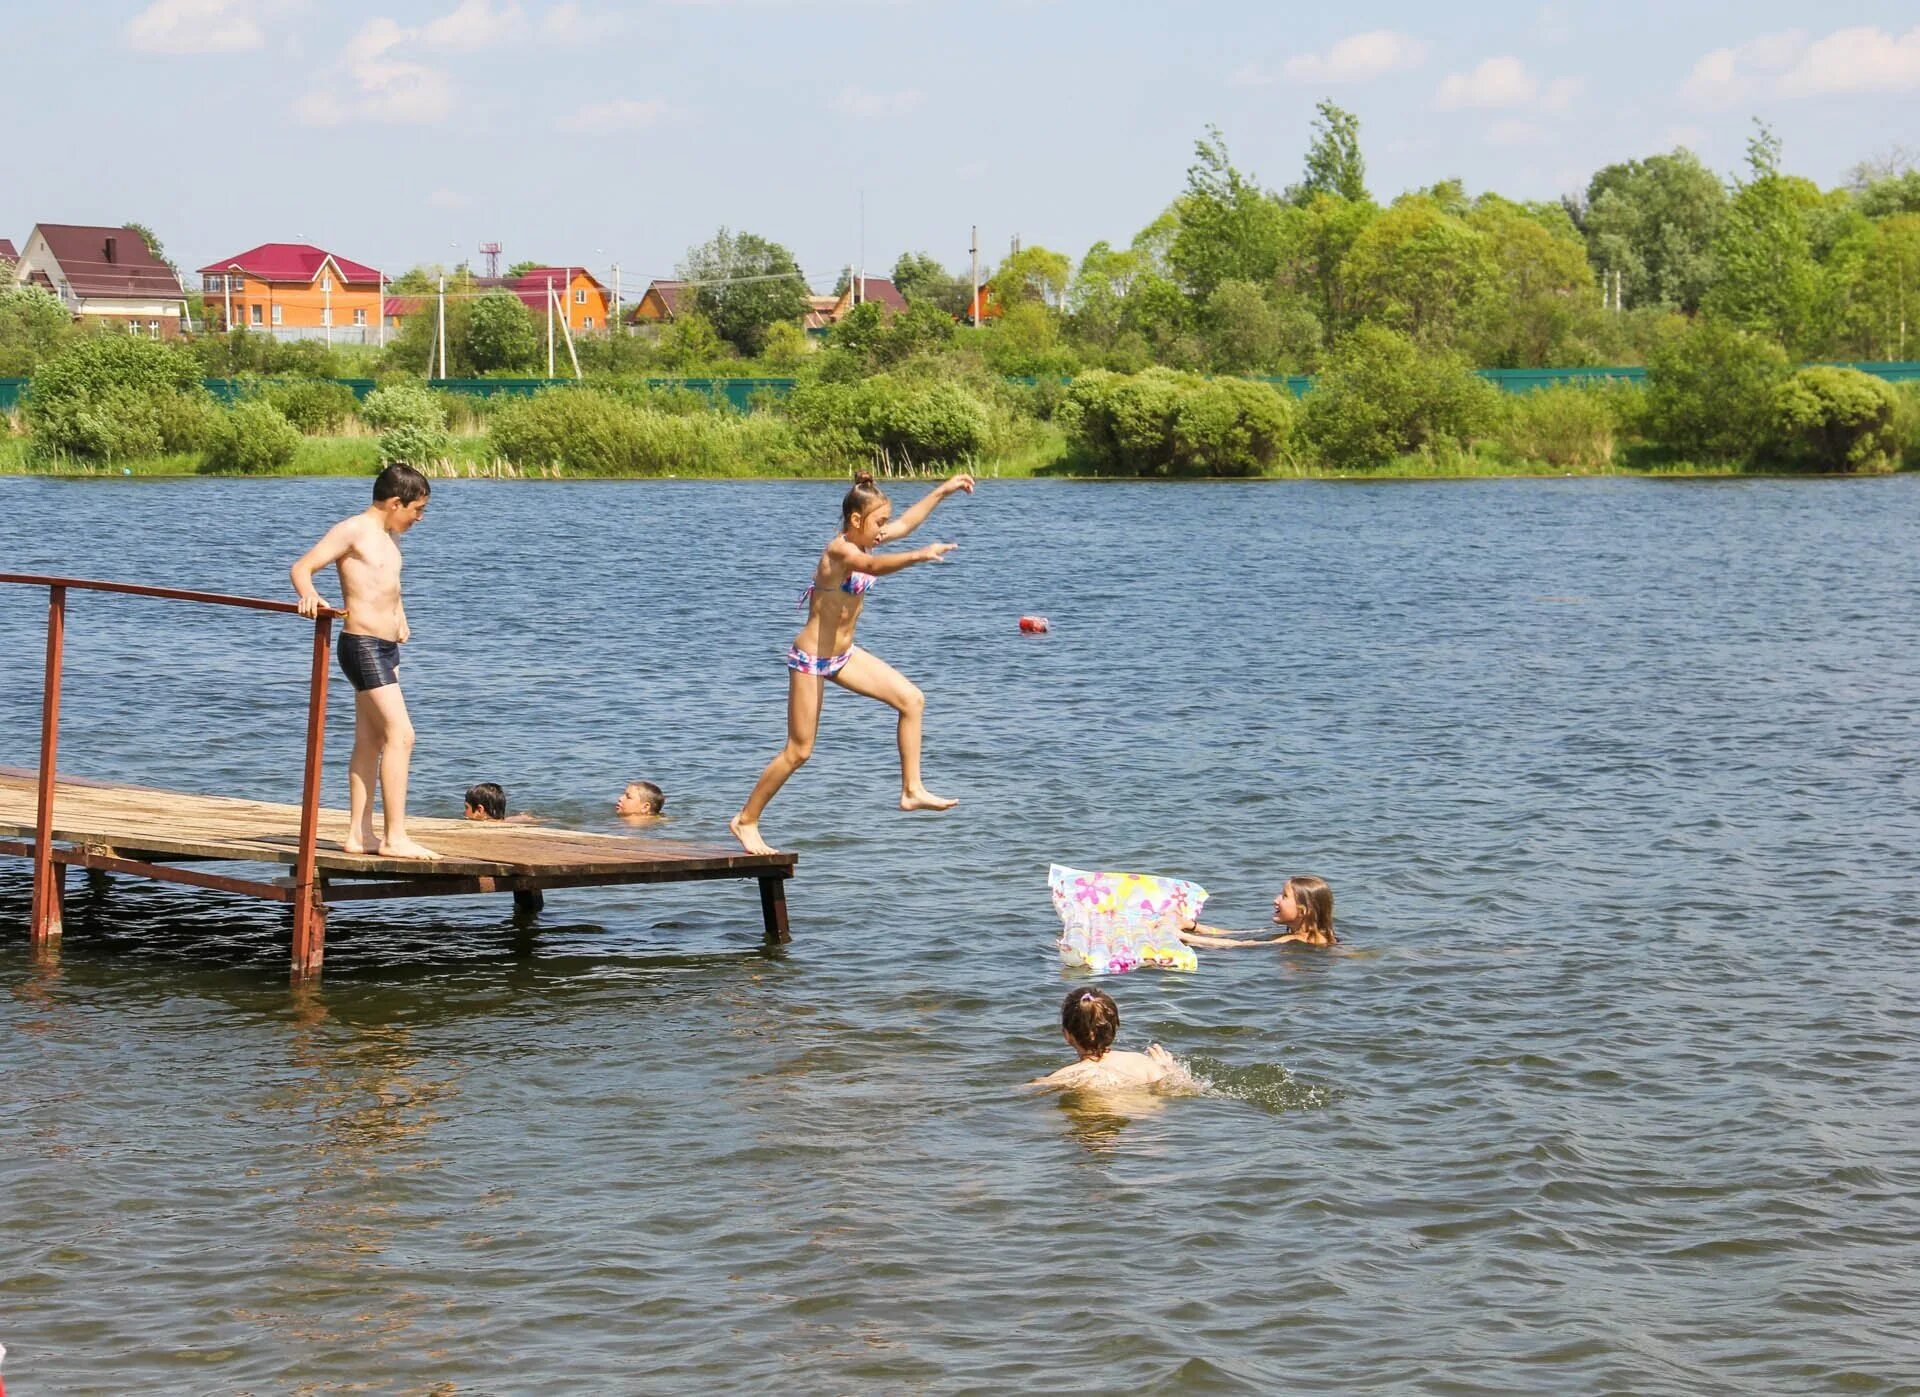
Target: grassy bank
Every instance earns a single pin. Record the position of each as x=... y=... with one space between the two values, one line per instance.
x=1050 y=459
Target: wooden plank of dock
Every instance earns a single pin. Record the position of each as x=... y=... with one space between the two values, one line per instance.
x=123 y=828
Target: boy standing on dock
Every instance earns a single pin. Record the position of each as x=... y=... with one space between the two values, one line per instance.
x=365 y=551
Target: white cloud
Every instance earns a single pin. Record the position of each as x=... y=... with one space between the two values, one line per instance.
x=568 y=24
x=474 y=24
x=1252 y=75
x=620 y=114
x=1865 y=59
x=196 y=26
x=380 y=87
x=1359 y=57
x=853 y=101
x=1497 y=82
x=1727 y=75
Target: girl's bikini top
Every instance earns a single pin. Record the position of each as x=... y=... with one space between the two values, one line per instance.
x=857 y=584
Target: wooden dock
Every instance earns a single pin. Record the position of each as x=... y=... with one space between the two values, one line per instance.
x=62 y=822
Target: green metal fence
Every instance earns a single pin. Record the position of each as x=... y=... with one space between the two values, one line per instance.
x=739 y=393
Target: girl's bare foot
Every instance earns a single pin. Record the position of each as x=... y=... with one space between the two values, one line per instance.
x=925 y=800
x=361 y=841
x=749 y=836
x=404 y=848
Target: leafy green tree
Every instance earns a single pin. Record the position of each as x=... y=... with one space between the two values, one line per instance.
x=691 y=345
x=1160 y=316
x=1654 y=222
x=1766 y=278
x=501 y=333
x=111 y=397
x=1230 y=229
x=1334 y=162
x=1710 y=392
x=919 y=277
x=786 y=347
x=34 y=325
x=1315 y=242
x=1026 y=342
x=1098 y=293
x=1036 y=274
x=745 y=285
x=520 y=269
x=1871 y=289
x=1419 y=270
x=1247 y=332
x=1896 y=193
x=1381 y=396
x=1543 y=295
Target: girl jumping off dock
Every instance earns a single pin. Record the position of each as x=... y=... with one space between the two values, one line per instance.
x=824 y=649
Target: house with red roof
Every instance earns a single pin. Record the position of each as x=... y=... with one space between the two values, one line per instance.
x=664 y=301
x=586 y=299
x=295 y=291
x=868 y=288
x=102 y=273
x=9 y=254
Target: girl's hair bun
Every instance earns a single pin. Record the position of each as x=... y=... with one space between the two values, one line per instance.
x=863 y=477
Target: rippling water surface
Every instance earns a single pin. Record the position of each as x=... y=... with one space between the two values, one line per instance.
x=1614 y=1088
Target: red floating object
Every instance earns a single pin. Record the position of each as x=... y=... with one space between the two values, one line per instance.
x=1033 y=625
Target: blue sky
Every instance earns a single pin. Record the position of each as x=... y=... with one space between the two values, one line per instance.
x=593 y=132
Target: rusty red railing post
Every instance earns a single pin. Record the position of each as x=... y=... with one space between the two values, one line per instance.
x=46 y=884
x=309 y=913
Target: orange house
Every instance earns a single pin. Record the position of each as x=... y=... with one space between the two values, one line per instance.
x=588 y=302
x=297 y=289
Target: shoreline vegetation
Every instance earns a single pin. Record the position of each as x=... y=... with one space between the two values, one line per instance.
x=1148 y=361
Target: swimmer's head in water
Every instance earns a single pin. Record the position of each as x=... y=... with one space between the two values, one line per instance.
x=1305 y=905
x=865 y=510
x=486 y=801
x=640 y=798
x=1090 y=1019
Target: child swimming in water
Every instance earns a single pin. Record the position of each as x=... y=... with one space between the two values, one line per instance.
x=487 y=800
x=1304 y=907
x=824 y=649
x=1090 y=1020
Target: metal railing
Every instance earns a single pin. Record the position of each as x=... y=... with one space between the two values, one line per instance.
x=301 y=892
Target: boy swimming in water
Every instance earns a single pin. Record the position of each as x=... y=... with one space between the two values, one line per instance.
x=365 y=550
x=487 y=800
x=640 y=801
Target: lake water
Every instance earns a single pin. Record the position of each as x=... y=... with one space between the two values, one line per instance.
x=1614 y=1088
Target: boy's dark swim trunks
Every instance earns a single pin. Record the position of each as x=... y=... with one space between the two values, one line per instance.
x=368 y=661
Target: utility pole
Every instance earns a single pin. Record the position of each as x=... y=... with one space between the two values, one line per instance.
x=380 y=310
x=227 y=282
x=616 y=300
x=326 y=306
x=973 y=305
x=440 y=334
x=549 y=327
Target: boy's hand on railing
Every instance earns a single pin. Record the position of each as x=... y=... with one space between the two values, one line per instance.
x=311 y=605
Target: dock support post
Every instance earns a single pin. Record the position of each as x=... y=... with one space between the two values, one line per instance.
x=773 y=910
x=309 y=904
x=309 y=934
x=528 y=902
x=47 y=875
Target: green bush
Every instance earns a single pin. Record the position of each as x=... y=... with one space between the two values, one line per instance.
x=1163 y=422
x=250 y=438
x=1710 y=392
x=411 y=422
x=111 y=397
x=1380 y=397
x=1569 y=425
x=34 y=325
x=917 y=421
x=590 y=432
x=1906 y=424
x=314 y=406
x=1827 y=418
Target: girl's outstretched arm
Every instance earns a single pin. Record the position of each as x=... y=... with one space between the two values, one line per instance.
x=917 y=513
x=881 y=564
x=1226 y=943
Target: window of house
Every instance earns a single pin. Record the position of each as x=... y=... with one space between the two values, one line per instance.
x=215 y=283
x=153 y=329
x=276 y=314
x=588 y=322
x=256 y=314
x=579 y=295
x=360 y=317
x=326 y=315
